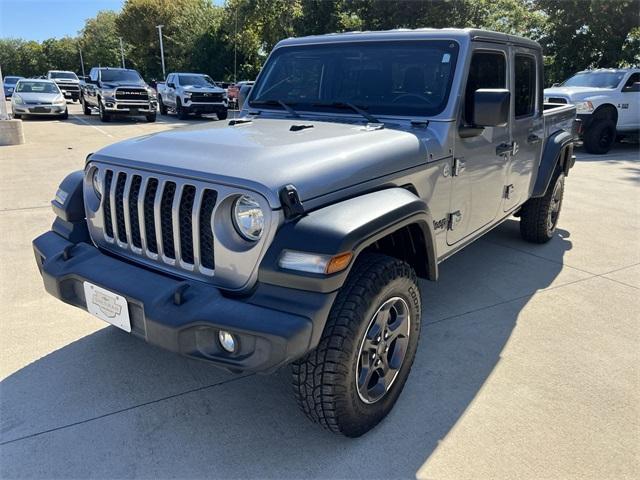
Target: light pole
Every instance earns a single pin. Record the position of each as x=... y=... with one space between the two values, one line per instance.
x=81 y=61
x=121 y=51
x=159 y=27
x=235 y=51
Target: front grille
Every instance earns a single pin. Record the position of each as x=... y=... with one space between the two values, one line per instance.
x=132 y=94
x=166 y=220
x=557 y=100
x=206 y=97
x=69 y=87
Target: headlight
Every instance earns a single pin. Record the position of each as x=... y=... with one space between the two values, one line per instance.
x=96 y=181
x=109 y=92
x=584 y=107
x=248 y=218
x=59 y=100
x=151 y=92
x=187 y=94
x=17 y=99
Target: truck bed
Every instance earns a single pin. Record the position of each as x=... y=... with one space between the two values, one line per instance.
x=558 y=116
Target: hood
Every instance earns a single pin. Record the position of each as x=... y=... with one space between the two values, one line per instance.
x=65 y=80
x=575 y=93
x=123 y=84
x=199 y=88
x=39 y=97
x=266 y=154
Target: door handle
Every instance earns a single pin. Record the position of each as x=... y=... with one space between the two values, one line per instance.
x=533 y=139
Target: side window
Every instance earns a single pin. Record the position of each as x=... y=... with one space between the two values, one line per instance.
x=487 y=70
x=93 y=75
x=629 y=86
x=170 y=79
x=525 y=85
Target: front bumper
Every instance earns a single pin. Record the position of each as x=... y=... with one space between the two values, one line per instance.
x=39 y=109
x=129 y=107
x=196 y=107
x=273 y=328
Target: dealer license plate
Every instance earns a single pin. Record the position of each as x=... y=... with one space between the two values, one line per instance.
x=107 y=306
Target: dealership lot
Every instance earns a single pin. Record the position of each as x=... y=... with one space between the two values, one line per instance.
x=528 y=366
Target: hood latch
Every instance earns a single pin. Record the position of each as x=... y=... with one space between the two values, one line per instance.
x=291 y=204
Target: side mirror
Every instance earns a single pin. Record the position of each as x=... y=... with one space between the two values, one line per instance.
x=171 y=85
x=491 y=107
x=244 y=92
x=555 y=84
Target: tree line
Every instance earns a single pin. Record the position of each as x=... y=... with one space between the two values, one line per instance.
x=234 y=39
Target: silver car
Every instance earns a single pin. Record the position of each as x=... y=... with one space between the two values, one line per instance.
x=38 y=97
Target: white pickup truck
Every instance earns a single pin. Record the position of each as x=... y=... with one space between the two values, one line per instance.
x=187 y=93
x=607 y=102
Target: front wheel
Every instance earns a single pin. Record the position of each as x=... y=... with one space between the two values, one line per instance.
x=17 y=116
x=151 y=118
x=182 y=112
x=539 y=216
x=600 y=136
x=162 y=106
x=104 y=116
x=85 y=108
x=351 y=381
x=222 y=115
x=65 y=115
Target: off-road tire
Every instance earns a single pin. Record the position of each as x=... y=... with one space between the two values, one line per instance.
x=151 y=118
x=85 y=108
x=162 y=106
x=183 y=114
x=600 y=136
x=222 y=115
x=535 y=223
x=104 y=116
x=324 y=380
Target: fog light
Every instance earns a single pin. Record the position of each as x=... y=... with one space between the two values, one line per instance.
x=227 y=342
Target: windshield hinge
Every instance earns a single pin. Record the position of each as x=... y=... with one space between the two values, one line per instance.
x=291 y=204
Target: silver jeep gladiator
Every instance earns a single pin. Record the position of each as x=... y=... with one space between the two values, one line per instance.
x=297 y=232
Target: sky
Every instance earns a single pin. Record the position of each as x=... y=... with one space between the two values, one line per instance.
x=42 y=19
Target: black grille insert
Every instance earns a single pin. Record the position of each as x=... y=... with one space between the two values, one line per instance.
x=209 y=198
x=186 y=223
x=134 y=195
x=122 y=230
x=106 y=204
x=166 y=220
x=149 y=223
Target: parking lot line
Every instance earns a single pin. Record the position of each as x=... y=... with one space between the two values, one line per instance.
x=91 y=125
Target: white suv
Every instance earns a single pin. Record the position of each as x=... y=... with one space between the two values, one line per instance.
x=607 y=102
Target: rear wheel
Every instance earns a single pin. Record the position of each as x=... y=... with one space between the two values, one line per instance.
x=351 y=381
x=600 y=136
x=539 y=216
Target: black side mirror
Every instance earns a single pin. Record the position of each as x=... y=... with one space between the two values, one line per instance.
x=491 y=107
x=244 y=92
x=171 y=85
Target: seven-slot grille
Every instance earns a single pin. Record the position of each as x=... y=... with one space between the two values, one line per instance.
x=206 y=97
x=166 y=220
x=127 y=93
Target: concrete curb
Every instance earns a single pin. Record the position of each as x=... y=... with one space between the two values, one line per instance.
x=11 y=132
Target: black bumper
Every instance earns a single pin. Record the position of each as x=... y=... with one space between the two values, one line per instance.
x=272 y=327
x=205 y=108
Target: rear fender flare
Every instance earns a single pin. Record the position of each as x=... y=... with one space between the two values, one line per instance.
x=557 y=151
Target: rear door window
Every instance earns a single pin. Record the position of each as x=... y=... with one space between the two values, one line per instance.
x=525 y=85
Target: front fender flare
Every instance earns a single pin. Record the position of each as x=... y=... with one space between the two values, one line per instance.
x=347 y=226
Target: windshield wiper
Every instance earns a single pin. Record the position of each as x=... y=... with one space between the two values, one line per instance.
x=284 y=105
x=370 y=118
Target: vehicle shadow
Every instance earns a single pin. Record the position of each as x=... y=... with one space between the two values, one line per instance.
x=113 y=407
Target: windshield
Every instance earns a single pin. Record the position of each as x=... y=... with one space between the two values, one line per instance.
x=391 y=78
x=11 y=79
x=129 y=76
x=595 y=79
x=37 y=87
x=196 y=80
x=68 y=75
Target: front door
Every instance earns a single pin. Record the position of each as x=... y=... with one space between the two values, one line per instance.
x=479 y=171
x=629 y=104
x=527 y=126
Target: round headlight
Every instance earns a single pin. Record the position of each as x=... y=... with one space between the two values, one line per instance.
x=248 y=218
x=96 y=181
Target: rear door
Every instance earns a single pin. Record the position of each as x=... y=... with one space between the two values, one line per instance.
x=527 y=125
x=479 y=170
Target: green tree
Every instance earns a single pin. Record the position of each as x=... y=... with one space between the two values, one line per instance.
x=61 y=54
x=589 y=33
x=99 y=41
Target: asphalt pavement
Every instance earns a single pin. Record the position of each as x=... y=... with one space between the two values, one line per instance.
x=528 y=366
